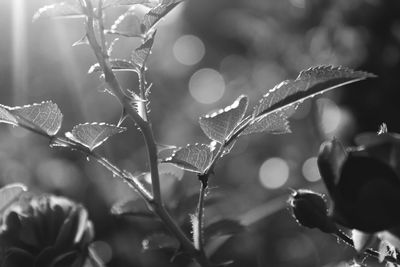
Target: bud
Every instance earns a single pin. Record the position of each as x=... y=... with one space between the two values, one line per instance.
x=309 y=209
x=45 y=231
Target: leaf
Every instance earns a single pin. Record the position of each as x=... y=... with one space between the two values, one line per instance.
x=59 y=10
x=135 y=207
x=44 y=117
x=116 y=65
x=91 y=135
x=220 y=125
x=223 y=227
x=140 y=55
x=7 y=117
x=274 y=123
x=9 y=194
x=157 y=13
x=114 y=3
x=362 y=241
x=160 y=241
x=309 y=83
x=127 y=24
x=194 y=158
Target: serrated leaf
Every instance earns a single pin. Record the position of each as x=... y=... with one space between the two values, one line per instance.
x=45 y=117
x=274 y=123
x=223 y=227
x=160 y=241
x=157 y=13
x=91 y=135
x=9 y=194
x=116 y=65
x=6 y=116
x=127 y=24
x=220 y=125
x=194 y=158
x=309 y=83
x=114 y=3
x=136 y=207
x=140 y=55
x=59 y=10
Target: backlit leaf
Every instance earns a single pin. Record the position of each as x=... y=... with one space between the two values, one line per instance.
x=116 y=65
x=160 y=241
x=309 y=83
x=194 y=158
x=127 y=25
x=113 y=3
x=6 y=116
x=91 y=135
x=9 y=194
x=45 y=117
x=59 y=10
x=140 y=55
x=223 y=227
x=135 y=207
x=157 y=13
x=220 y=125
x=274 y=123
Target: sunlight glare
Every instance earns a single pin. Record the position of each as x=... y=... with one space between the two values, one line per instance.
x=207 y=86
x=274 y=173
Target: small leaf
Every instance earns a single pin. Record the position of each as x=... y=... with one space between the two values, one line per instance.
x=114 y=3
x=140 y=55
x=59 y=10
x=7 y=117
x=160 y=241
x=9 y=194
x=309 y=83
x=157 y=13
x=91 y=135
x=274 y=123
x=220 y=125
x=135 y=207
x=127 y=24
x=45 y=117
x=116 y=65
x=223 y=227
x=194 y=158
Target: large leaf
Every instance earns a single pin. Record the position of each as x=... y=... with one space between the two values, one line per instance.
x=140 y=54
x=220 y=125
x=194 y=158
x=160 y=241
x=157 y=13
x=223 y=227
x=274 y=123
x=91 y=135
x=44 y=117
x=9 y=194
x=309 y=83
x=135 y=207
x=59 y=10
x=116 y=65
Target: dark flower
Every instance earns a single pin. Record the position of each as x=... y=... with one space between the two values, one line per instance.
x=46 y=231
x=363 y=182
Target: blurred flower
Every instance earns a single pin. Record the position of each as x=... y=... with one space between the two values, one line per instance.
x=45 y=231
x=362 y=182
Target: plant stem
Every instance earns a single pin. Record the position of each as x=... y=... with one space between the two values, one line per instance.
x=200 y=213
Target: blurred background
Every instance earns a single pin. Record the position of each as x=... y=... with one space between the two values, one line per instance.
x=206 y=54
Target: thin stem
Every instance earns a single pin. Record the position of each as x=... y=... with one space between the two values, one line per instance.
x=200 y=213
x=100 y=16
x=142 y=91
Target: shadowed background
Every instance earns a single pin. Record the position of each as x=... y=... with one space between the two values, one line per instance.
x=206 y=54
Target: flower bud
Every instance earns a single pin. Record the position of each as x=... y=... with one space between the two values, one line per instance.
x=309 y=209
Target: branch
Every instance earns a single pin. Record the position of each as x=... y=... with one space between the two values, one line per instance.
x=199 y=243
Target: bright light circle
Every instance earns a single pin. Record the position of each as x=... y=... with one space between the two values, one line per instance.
x=189 y=50
x=274 y=173
x=310 y=170
x=207 y=86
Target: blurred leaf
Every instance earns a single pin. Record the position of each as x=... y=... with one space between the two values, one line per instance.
x=91 y=135
x=127 y=25
x=157 y=13
x=160 y=241
x=140 y=55
x=386 y=249
x=113 y=3
x=220 y=125
x=223 y=227
x=275 y=123
x=309 y=83
x=116 y=65
x=59 y=10
x=362 y=240
x=194 y=158
x=135 y=207
x=44 y=117
x=194 y=221
x=9 y=194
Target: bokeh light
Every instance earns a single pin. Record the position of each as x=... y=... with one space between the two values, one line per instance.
x=103 y=250
x=331 y=115
x=310 y=170
x=274 y=173
x=207 y=86
x=189 y=50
